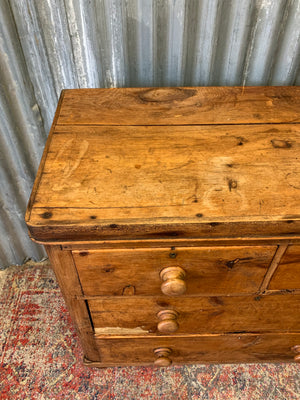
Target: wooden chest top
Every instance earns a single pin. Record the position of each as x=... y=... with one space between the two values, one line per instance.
x=184 y=162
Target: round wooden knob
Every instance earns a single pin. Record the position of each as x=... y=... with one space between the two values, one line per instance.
x=167 y=321
x=173 y=281
x=297 y=358
x=162 y=354
x=296 y=349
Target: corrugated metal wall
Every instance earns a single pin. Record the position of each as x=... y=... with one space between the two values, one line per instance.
x=48 y=45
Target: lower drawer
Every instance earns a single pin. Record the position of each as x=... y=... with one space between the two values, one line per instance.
x=195 y=315
x=164 y=351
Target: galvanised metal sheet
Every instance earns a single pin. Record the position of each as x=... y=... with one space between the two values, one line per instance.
x=48 y=45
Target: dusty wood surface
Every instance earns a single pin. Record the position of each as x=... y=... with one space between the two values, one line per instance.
x=287 y=274
x=65 y=271
x=143 y=182
x=181 y=106
x=138 y=315
x=199 y=349
x=215 y=271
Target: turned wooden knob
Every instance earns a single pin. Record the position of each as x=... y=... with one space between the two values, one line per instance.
x=167 y=321
x=162 y=354
x=297 y=358
x=296 y=349
x=173 y=281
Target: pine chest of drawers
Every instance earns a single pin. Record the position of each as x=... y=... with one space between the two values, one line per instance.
x=171 y=218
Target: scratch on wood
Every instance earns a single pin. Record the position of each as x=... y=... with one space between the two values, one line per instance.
x=115 y=330
x=69 y=168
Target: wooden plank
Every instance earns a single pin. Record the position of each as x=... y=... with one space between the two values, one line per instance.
x=274 y=264
x=43 y=160
x=287 y=275
x=218 y=271
x=239 y=348
x=171 y=176
x=173 y=243
x=158 y=229
x=218 y=314
x=65 y=271
x=181 y=106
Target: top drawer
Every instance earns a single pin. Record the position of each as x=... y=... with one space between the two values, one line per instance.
x=153 y=271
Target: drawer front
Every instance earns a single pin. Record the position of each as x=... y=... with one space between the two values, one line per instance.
x=287 y=274
x=192 y=315
x=197 y=349
x=200 y=271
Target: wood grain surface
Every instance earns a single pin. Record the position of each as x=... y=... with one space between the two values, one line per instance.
x=210 y=271
x=181 y=106
x=216 y=314
x=69 y=284
x=199 y=349
x=287 y=274
x=194 y=181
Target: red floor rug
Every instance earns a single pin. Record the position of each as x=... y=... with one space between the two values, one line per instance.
x=41 y=357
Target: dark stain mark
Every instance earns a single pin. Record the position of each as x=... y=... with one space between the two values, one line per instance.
x=213 y=224
x=232 y=184
x=84 y=253
x=287 y=291
x=108 y=268
x=47 y=215
x=241 y=140
x=281 y=144
x=113 y=226
x=162 y=303
x=196 y=192
x=173 y=255
x=257 y=298
x=230 y=264
x=199 y=215
x=93 y=217
x=229 y=165
x=237 y=332
x=289 y=221
x=137 y=166
x=109 y=170
x=258 y=116
x=159 y=95
x=106 y=156
x=173 y=248
x=165 y=233
x=216 y=301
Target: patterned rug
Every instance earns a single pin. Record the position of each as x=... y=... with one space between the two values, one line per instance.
x=41 y=357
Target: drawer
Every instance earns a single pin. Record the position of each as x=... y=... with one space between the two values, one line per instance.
x=287 y=274
x=199 y=270
x=197 y=349
x=192 y=315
